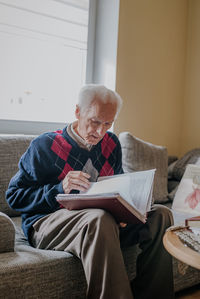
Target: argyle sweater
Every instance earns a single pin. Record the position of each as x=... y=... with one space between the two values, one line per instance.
x=44 y=165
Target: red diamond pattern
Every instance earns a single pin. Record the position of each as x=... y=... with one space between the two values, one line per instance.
x=106 y=170
x=65 y=171
x=59 y=131
x=61 y=147
x=107 y=150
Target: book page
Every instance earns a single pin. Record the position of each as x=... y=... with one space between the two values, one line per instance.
x=111 y=185
x=135 y=188
x=187 y=197
x=140 y=190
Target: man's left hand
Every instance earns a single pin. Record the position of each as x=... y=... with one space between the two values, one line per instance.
x=122 y=224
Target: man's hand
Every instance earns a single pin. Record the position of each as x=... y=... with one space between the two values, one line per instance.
x=76 y=180
x=122 y=224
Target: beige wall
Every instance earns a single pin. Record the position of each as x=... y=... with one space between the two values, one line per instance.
x=191 y=116
x=151 y=69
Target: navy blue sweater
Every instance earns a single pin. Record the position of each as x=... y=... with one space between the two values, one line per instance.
x=44 y=165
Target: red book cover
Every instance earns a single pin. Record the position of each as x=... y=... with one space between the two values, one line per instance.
x=110 y=204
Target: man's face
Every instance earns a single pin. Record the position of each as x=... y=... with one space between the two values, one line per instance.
x=93 y=122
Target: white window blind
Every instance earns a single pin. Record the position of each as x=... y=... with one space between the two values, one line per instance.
x=43 y=49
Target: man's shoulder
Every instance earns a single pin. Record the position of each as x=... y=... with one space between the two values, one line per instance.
x=46 y=139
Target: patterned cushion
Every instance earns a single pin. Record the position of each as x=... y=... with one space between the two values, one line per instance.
x=11 y=149
x=140 y=155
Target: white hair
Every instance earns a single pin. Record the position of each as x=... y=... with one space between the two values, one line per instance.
x=91 y=92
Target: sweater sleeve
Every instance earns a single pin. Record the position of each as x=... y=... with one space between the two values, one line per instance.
x=31 y=190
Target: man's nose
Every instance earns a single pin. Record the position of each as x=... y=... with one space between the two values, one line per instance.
x=100 y=130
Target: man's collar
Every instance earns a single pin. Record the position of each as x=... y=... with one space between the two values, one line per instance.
x=79 y=140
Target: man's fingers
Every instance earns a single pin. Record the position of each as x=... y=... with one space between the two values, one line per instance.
x=79 y=182
x=122 y=224
x=79 y=178
x=79 y=175
x=76 y=180
x=76 y=187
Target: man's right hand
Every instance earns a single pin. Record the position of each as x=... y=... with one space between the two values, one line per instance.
x=76 y=180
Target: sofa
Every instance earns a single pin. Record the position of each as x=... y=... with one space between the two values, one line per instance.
x=26 y=272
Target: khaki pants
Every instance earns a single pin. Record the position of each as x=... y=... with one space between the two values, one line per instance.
x=94 y=237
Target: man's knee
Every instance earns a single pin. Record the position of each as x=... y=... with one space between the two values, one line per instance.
x=159 y=219
x=102 y=222
x=102 y=218
x=163 y=214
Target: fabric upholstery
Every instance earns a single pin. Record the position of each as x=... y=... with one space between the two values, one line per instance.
x=172 y=184
x=7 y=234
x=171 y=195
x=177 y=169
x=140 y=155
x=46 y=274
x=172 y=159
x=11 y=149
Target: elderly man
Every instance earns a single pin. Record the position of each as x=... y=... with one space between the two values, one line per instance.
x=66 y=161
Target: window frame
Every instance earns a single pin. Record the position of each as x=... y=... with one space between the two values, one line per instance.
x=93 y=64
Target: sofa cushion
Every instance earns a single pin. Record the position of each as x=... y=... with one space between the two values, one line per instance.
x=140 y=155
x=177 y=169
x=11 y=149
x=47 y=274
x=7 y=233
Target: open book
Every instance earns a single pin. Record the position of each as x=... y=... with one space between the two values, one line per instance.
x=187 y=197
x=128 y=196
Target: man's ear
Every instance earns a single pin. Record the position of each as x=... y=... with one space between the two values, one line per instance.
x=77 y=112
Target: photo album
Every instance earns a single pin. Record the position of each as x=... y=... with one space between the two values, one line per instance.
x=128 y=196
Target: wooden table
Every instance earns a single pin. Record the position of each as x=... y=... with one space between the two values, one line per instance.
x=176 y=248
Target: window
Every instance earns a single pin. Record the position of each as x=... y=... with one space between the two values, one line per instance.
x=43 y=58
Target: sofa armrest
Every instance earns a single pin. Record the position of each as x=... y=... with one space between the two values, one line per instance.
x=7 y=233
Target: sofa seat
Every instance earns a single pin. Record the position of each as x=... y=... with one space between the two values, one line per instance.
x=34 y=273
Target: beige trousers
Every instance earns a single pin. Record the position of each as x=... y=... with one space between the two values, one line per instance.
x=93 y=236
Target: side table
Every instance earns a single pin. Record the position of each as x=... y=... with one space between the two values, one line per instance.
x=180 y=250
